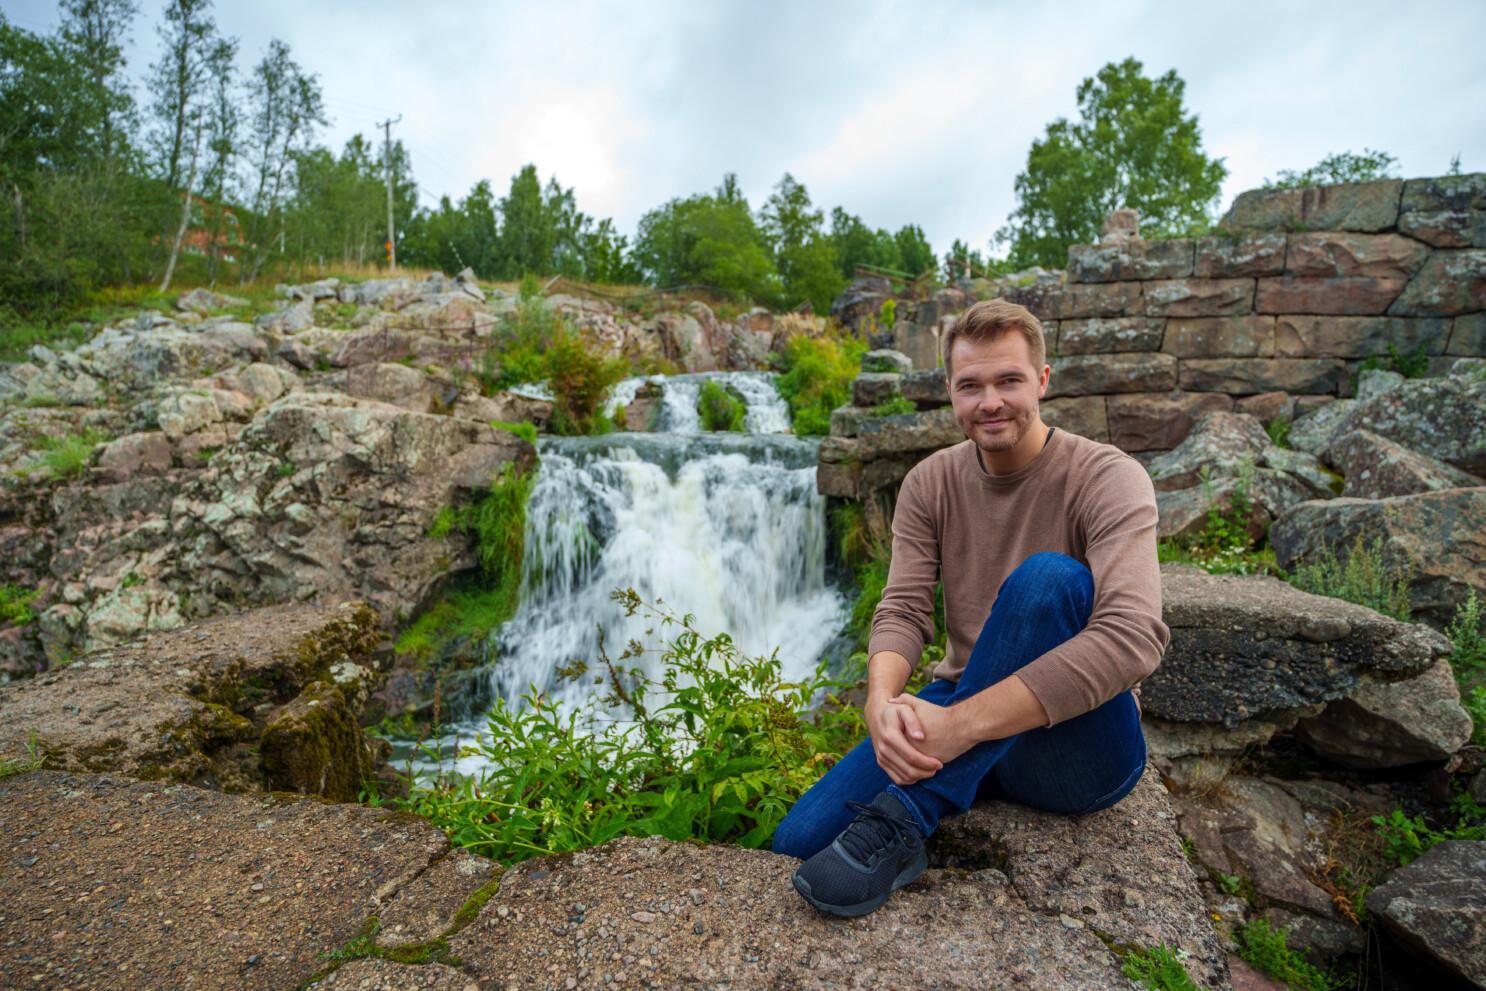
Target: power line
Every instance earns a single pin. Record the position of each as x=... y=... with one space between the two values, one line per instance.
x=386 y=126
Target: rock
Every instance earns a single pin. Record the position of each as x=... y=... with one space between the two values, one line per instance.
x=1199 y=298
x=1267 y=407
x=244 y=891
x=199 y=703
x=756 y=932
x=1183 y=512
x=1377 y=468
x=879 y=435
x=1246 y=376
x=1120 y=225
x=1217 y=445
x=400 y=385
x=1450 y=282
x=1075 y=301
x=886 y=360
x=1130 y=259
x=1349 y=295
x=1099 y=374
x=506 y=407
x=1437 y=538
x=296 y=317
x=927 y=387
x=1351 y=206
x=1246 y=646
x=1389 y=723
x=1204 y=337
x=873 y=388
x=1451 y=192
x=1357 y=337
x=1439 y=417
x=1437 y=906
x=1159 y=421
x=1315 y=430
x=1379 y=256
x=1446 y=228
x=203 y=301
x=1082 y=415
x=1105 y=334
x=1223 y=257
x=134 y=454
x=1468 y=336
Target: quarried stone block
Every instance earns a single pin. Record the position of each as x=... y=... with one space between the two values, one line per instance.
x=1346 y=295
x=1235 y=257
x=1446 y=228
x=1159 y=421
x=1350 y=206
x=926 y=387
x=1106 y=334
x=1247 y=376
x=1449 y=192
x=1082 y=415
x=1357 y=337
x=1203 y=337
x=1382 y=256
x=1199 y=297
x=1450 y=282
x=1107 y=299
x=1099 y=374
x=1267 y=406
x=872 y=388
x=1118 y=261
x=1468 y=336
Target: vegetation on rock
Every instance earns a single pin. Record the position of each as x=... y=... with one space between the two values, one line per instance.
x=720 y=408
x=816 y=378
x=1364 y=578
x=1266 y=949
x=1344 y=166
x=1158 y=968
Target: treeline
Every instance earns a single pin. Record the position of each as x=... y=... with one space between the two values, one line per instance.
x=219 y=172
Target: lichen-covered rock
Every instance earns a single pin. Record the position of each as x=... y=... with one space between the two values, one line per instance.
x=1440 y=417
x=1130 y=258
x=202 y=704
x=886 y=360
x=1350 y=206
x=1246 y=646
x=1247 y=376
x=1343 y=295
x=1101 y=335
x=1100 y=374
x=1223 y=257
x=1159 y=421
x=1450 y=282
x=1437 y=539
x=1357 y=337
x=1437 y=905
x=1388 y=723
x=1377 y=468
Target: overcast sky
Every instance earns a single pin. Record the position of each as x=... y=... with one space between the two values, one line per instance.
x=902 y=112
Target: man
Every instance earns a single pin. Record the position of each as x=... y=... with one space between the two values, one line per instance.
x=1046 y=546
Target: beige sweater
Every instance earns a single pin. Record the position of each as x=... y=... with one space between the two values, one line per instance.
x=1078 y=497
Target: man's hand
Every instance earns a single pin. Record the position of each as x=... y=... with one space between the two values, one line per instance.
x=945 y=736
x=896 y=737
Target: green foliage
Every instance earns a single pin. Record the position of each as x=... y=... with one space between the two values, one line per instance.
x=720 y=408
x=33 y=760
x=1364 y=578
x=894 y=407
x=467 y=611
x=1265 y=948
x=1413 y=365
x=15 y=605
x=67 y=457
x=804 y=256
x=526 y=431
x=1134 y=146
x=580 y=375
x=1224 y=545
x=1279 y=431
x=1158 y=968
x=887 y=316
x=708 y=240
x=1467 y=633
x=816 y=378
x=716 y=750
x=1339 y=167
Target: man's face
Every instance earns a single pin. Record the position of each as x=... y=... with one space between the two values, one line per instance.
x=995 y=389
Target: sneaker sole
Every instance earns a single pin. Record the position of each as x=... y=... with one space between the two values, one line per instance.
x=907 y=877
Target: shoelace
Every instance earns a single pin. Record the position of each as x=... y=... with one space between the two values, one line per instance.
x=873 y=830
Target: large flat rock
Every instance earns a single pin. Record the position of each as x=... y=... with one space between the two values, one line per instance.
x=116 y=884
x=1244 y=646
x=1033 y=906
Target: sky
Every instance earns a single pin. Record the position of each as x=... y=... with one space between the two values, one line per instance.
x=902 y=113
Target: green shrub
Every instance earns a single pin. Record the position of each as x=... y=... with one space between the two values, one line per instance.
x=526 y=431
x=1467 y=635
x=1265 y=948
x=894 y=407
x=15 y=605
x=720 y=408
x=816 y=378
x=1407 y=838
x=1364 y=578
x=67 y=457
x=1224 y=545
x=1413 y=365
x=580 y=376
x=717 y=749
x=1279 y=431
x=1158 y=968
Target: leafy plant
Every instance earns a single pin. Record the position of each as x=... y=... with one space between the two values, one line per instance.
x=1467 y=634
x=1364 y=578
x=15 y=605
x=1265 y=948
x=896 y=406
x=719 y=408
x=581 y=376
x=67 y=457
x=816 y=378
x=1279 y=431
x=717 y=749
x=1158 y=968
x=1224 y=545
x=1413 y=365
x=526 y=431
x=1407 y=838
x=1339 y=167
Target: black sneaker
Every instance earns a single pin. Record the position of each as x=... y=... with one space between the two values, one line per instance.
x=880 y=852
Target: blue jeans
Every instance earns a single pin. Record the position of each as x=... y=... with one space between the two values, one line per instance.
x=1081 y=765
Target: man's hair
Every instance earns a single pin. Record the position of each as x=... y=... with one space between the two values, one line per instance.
x=990 y=318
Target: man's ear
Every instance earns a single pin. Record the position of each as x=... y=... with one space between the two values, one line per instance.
x=1047 y=373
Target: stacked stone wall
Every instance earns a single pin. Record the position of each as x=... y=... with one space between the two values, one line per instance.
x=1273 y=314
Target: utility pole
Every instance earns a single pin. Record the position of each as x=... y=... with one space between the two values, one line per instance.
x=386 y=126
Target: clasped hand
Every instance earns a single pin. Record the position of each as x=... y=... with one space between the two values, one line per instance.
x=913 y=738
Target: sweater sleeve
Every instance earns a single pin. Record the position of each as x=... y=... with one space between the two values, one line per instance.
x=904 y=618
x=1125 y=636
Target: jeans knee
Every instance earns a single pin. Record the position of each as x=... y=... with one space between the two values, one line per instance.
x=790 y=840
x=1051 y=578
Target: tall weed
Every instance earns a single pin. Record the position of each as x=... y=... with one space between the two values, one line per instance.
x=1364 y=578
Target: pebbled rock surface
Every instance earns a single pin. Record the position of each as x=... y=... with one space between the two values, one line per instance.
x=117 y=884
x=651 y=912
x=1244 y=646
x=1437 y=905
x=222 y=703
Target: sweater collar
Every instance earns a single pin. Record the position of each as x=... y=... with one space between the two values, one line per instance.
x=1048 y=453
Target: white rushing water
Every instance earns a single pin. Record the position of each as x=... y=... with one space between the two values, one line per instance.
x=727 y=527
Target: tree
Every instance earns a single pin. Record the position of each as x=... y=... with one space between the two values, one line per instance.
x=709 y=240
x=915 y=254
x=803 y=255
x=93 y=35
x=223 y=121
x=179 y=80
x=960 y=262
x=857 y=244
x=1134 y=146
x=1343 y=167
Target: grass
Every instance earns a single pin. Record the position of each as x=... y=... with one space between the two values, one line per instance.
x=816 y=378
x=15 y=605
x=20 y=765
x=67 y=457
x=1364 y=578
x=1467 y=633
x=1279 y=431
x=465 y=611
x=720 y=408
x=526 y=431
x=894 y=407
x=1265 y=948
x=1158 y=968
